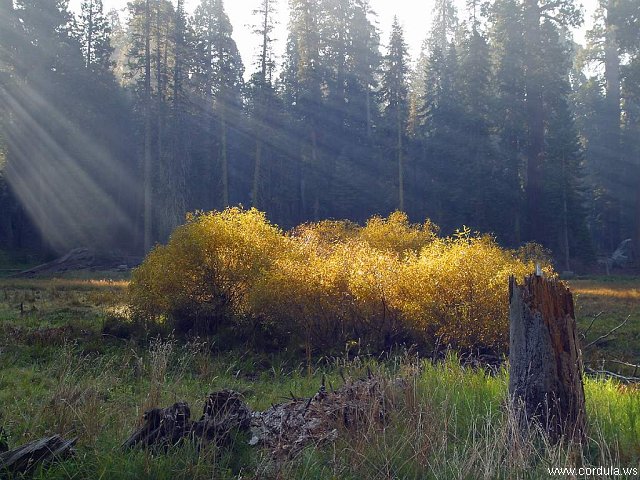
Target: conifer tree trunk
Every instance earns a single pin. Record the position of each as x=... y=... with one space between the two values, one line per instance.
x=400 y=163
x=159 y=85
x=637 y=218
x=612 y=111
x=302 y=191
x=180 y=149
x=565 y=218
x=223 y=157
x=261 y=108
x=612 y=78
x=368 y=109
x=148 y=195
x=314 y=162
x=211 y=161
x=256 y=172
x=535 y=114
x=545 y=375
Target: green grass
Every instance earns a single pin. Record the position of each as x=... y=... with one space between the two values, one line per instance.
x=612 y=300
x=59 y=374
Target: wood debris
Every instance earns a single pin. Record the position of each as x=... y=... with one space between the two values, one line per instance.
x=25 y=459
x=283 y=429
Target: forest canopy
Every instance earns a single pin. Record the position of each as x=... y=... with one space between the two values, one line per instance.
x=113 y=126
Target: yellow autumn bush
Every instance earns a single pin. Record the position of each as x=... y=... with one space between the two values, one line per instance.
x=330 y=283
x=302 y=298
x=454 y=292
x=326 y=234
x=396 y=234
x=200 y=279
x=327 y=297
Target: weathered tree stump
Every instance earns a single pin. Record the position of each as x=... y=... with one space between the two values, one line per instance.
x=545 y=382
x=224 y=412
x=163 y=427
x=26 y=458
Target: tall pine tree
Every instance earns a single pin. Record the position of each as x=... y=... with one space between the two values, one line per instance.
x=395 y=105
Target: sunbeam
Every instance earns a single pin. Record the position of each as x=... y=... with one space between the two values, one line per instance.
x=69 y=198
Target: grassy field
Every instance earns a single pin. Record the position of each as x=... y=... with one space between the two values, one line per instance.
x=604 y=303
x=59 y=373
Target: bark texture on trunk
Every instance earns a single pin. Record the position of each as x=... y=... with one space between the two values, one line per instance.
x=545 y=381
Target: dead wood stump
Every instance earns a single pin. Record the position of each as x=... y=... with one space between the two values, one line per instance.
x=284 y=429
x=26 y=458
x=224 y=412
x=162 y=427
x=545 y=375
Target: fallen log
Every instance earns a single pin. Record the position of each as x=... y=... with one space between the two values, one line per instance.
x=76 y=259
x=26 y=458
x=82 y=259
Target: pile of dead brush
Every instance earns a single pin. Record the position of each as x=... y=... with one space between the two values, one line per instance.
x=284 y=429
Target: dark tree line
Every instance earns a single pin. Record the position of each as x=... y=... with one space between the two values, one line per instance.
x=113 y=129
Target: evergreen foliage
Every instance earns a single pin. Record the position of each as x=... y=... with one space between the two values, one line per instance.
x=500 y=125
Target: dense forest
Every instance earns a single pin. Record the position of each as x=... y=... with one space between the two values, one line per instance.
x=113 y=127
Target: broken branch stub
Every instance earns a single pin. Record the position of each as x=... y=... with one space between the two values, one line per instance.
x=545 y=374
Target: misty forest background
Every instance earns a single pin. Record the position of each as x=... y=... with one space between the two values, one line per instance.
x=113 y=127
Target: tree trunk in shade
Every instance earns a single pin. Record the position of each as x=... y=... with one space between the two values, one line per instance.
x=545 y=381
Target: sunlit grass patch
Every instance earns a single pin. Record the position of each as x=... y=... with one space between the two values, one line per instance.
x=614 y=413
x=624 y=294
x=62 y=283
x=40 y=315
x=622 y=291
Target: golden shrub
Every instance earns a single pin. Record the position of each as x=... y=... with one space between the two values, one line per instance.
x=302 y=298
x=200 y=279
x=396 y=234
x=455 y=291
x=373 y=317
x=328 y=297
x=331 y=283
x=326 y=234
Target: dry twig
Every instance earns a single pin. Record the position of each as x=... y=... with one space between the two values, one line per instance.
x=609 y=333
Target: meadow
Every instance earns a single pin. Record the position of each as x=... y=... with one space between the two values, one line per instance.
x=64 y=370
